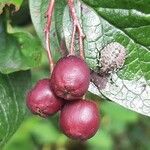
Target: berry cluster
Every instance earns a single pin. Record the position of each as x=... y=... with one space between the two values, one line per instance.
x=64 y=92
x=79 y=118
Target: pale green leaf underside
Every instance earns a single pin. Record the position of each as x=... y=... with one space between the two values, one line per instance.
x=130 y=86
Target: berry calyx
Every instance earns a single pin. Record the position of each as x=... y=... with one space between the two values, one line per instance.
x=70 y=78
x=80 y=119
x=41 y=99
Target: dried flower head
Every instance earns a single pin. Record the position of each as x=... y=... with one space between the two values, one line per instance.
x=112 y=57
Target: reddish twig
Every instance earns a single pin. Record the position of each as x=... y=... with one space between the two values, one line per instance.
x=76 y=27
x=49 y=14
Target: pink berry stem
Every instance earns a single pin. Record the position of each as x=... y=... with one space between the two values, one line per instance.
x=47 y=28
x=81 y=46
x=72 y=41
x=76 y=27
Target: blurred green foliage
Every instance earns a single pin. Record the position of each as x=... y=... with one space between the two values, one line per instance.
x=121 y=129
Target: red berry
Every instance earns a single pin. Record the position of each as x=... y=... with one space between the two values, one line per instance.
x=42 y=101
x=80 y=119
x=70 y=78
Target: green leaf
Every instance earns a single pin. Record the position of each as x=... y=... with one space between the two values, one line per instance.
x=119 y=23
x=19 y=50
x=103 y=22
x=132 y=20
x=13 y=88
x=16 y=3
x=129 y=87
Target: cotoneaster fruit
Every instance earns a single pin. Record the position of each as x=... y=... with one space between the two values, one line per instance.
x=41 y=99
x=80 y=119
x=70 y=78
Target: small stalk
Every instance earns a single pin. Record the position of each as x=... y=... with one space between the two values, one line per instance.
x=76 y=28
x=47 y=28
